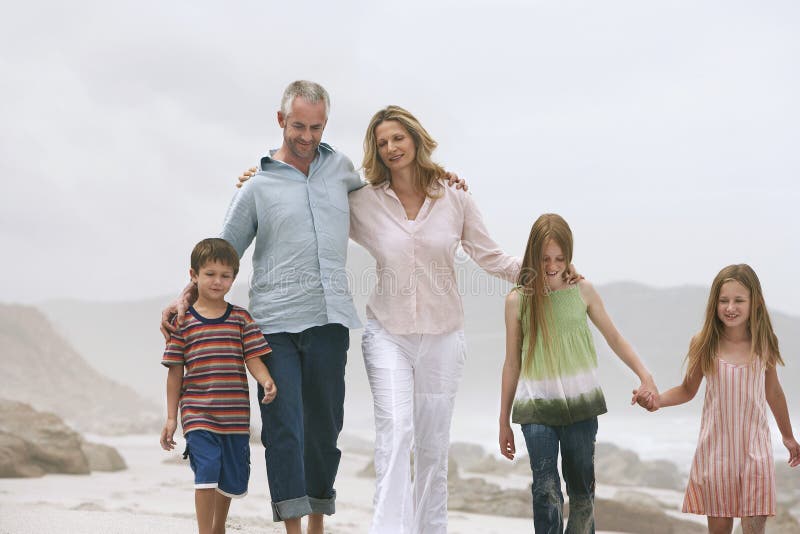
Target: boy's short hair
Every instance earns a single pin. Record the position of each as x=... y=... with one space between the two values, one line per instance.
x=214 y=249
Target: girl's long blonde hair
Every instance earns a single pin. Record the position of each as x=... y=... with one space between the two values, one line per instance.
x=764 y=344
x=531 y=280
x=427 y=173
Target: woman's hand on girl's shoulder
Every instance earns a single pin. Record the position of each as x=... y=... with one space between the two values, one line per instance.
x=572 y=276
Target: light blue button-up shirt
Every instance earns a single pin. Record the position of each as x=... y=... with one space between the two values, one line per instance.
x=301 y=225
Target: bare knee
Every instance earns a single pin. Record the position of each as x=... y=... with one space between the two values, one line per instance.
x=754 y=525
x=720 y=525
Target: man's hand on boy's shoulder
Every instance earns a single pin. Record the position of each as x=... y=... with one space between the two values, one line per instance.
x=169 y=320
x=172 y=315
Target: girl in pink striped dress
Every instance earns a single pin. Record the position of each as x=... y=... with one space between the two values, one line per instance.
x=733 y=474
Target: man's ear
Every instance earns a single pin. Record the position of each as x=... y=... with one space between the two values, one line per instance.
x=281 y=120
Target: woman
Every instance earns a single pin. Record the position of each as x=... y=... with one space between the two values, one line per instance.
x=413 y=343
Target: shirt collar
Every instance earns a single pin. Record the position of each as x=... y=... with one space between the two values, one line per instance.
x=321 y=149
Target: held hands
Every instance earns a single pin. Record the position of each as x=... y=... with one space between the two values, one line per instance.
x=794 y=451
x=507 y=447
x=270 y=391
x=167 y=434
x=647 y=397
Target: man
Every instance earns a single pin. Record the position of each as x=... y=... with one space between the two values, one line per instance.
x=297 y=211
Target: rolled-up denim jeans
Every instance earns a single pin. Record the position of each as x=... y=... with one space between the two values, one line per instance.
x=301 y=426
x=577 y=466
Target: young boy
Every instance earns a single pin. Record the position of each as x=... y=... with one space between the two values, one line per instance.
x=213 y=346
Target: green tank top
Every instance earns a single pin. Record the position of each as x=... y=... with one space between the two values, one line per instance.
x=559 y=386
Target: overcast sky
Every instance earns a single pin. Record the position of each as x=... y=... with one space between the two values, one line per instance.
x=666 y=133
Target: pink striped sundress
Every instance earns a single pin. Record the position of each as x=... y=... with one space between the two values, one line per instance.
x=733 y=474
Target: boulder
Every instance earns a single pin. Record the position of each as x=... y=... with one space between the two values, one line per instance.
x=51 y=445
x=638 y=514
x=15 y=458
x=35 y=443
x=621 y=467
x=102 y=457
x=636 y=518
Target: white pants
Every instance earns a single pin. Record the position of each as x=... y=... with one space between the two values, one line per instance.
x=414 y=380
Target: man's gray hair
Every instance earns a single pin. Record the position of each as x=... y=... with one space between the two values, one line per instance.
x=311 y=91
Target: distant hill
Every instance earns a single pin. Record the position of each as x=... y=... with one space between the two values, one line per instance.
x=130 y=328
x=41 y=368
x=659 y=322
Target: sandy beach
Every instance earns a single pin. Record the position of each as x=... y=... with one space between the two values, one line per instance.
x=155 y=493
x=155 y=496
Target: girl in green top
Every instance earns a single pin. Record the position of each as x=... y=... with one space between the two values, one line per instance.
x=550 y=383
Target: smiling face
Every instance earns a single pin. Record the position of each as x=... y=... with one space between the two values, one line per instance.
x=396 y=147
x=214 y=279
x=733 y=305
x=302 y=128
x=554 y=263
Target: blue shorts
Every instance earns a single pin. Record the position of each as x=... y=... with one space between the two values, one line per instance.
x=220 y=461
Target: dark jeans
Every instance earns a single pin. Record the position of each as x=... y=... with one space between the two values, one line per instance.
x=577 y=466
x=301 y=426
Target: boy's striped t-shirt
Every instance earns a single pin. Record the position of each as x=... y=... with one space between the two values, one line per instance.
x=214 y=395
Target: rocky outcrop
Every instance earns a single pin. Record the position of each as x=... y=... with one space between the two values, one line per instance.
x=613 y=465
x=102 y=457
x=621 y=467
x=474 y=459
x=619 y=516
x=16 y=458
x=35 y=443
x=40 y=368
x=628 y=512
x=475 y=495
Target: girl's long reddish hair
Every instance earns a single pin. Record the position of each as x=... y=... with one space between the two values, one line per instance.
x=531 y=280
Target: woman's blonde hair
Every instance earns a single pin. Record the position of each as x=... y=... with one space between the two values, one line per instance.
x=764 y=343
x=427 y=173
x=531 y=280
